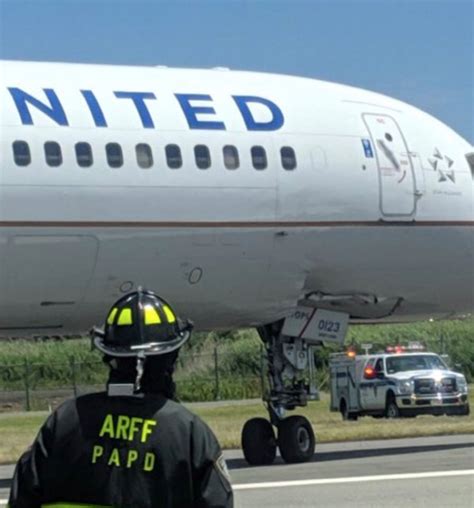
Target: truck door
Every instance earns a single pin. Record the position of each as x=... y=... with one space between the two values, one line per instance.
x=366 y=387
x=380 y=385
x=396 y=177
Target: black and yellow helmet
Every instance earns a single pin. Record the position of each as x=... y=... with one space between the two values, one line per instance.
x=141 y=323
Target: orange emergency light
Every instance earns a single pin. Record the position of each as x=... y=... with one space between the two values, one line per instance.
x=369 y=373
x=351 y=353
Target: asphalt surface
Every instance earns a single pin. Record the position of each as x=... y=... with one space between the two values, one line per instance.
x=422 y=472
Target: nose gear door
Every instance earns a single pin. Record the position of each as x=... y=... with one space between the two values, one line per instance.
x=396 y=178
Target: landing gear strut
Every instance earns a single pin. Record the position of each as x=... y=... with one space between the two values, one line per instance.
x=291 y=381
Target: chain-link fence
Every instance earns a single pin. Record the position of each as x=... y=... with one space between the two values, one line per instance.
x=199 y=377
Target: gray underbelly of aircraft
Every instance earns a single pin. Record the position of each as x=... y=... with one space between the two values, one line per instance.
x=229 y=278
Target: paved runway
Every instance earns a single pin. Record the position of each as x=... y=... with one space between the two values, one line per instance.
x=432 y=472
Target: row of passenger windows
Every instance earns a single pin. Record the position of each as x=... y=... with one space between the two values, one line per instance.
x=144 y=155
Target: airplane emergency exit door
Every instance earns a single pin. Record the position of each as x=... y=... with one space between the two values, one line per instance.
x=397 y=183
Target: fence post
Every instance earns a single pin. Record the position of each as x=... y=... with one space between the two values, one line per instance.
x=262 y=374
x=216 y=375
x=27 y=385
x=73 y=376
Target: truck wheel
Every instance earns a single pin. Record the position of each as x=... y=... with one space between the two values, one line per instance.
x=296 y=439
x=258 y=442
x=343 y=409
x=346 y=415
x=391 y=408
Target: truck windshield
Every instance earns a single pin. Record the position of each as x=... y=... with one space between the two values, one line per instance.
x=413 y=362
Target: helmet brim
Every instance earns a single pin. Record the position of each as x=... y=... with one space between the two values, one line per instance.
x=148 y=349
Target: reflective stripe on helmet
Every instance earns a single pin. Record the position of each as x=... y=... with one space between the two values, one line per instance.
x=125 y=317
x=113 y=313
x=141 y=323
x=169 y=314
x=151 y=316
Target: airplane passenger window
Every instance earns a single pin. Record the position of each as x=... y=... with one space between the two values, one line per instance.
x=231 y=157
x=114 y=155
x=202 y=156
x=144 y=155
x=259 y=157
x=84 y=155
x=173 y=156
x=288 y=158
x=52 y=152
x=21 y=153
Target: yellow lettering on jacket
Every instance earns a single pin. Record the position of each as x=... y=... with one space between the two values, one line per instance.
x=127 y=428
x=149 y=463
x=114 y=459
x=107 y=427
x=131 y=458
x=97 y=452
x=147 y=429
x=124 y=458
x=134 y=427
x=123 y=423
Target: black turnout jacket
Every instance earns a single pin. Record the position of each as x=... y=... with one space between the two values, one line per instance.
x=124 y=452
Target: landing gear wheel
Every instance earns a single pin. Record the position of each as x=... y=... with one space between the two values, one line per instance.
x=296 y=439
x=391 y=409
x=258 y=442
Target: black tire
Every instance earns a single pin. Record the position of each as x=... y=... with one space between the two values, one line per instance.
x=296 y=439
x=391 y=408
x=346 y=415
x=343 y=409
x=259 y=442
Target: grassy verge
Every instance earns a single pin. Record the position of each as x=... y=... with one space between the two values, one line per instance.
x=18 y=430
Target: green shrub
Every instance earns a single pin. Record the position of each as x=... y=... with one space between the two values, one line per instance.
x=239 y=357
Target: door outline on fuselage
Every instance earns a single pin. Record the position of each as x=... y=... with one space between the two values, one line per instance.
x=411 y=191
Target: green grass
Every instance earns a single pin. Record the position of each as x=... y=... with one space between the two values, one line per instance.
x=239 y=358
x=18 y=430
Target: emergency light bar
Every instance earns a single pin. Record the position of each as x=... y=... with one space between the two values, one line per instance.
x=412 y=347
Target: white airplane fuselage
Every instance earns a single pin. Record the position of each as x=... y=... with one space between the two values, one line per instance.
x=376 y=219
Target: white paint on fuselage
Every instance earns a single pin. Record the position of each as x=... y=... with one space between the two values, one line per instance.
x=229 y=248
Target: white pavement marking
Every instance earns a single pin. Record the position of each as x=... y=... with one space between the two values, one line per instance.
x=352 y=479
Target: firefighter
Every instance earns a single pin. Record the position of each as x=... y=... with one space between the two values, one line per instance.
x=133 y=445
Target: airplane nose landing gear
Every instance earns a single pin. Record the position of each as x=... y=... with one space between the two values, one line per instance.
x=290 y=362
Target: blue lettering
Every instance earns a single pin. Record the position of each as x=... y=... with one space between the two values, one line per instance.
x=94 y=108
x=138 y=99
x=55 y=111
x=274 y=124
x=191 y=112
